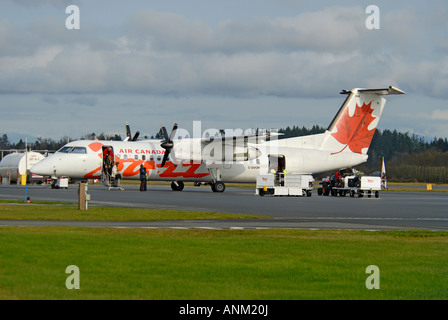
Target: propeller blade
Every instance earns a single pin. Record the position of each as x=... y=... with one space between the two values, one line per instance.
x=173 y=132
x=128 y=130
x=165 y=133
x=135 y=137
x=165 y=157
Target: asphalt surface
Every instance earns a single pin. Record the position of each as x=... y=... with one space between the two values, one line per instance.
x=391 y=211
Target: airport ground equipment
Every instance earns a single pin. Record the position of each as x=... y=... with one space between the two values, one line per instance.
x=14 y=167
x=284 y=185
x=352 y=185
x=61 y=182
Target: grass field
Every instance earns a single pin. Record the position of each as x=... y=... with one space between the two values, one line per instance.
x=171 y=264
x=40 y=211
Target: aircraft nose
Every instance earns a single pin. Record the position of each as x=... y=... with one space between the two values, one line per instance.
x=43 y=168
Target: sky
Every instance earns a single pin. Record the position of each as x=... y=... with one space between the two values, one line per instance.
x=229 y=64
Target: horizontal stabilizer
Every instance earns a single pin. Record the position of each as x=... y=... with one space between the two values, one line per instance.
x=381 y=92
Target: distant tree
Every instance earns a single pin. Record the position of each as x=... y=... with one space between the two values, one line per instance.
x=4 y=142
x=160 y=135
x=101 y=136
x=115 y=137
x=89 y=136
x=295 y=131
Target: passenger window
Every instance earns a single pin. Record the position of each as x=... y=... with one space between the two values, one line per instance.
x=136 y=157
x=159 y=158
x=125 y=157
x=143 y=157
x=151 y=158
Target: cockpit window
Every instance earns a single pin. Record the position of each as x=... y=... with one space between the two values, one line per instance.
x=78 y=150
x=65 y=149
x=72 y=149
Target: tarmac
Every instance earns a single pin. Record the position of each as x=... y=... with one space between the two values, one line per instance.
x=393 y=210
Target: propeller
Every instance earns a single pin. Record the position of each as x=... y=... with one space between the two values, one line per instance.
x=128 y=134
x=168 y=143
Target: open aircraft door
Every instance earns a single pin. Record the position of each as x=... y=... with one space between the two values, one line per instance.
x=108 y=157
x=277 y=163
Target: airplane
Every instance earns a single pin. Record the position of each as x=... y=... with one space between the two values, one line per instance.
x=217 y=160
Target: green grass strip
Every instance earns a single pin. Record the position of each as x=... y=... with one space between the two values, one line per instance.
x=71 y=212
x=226 y=264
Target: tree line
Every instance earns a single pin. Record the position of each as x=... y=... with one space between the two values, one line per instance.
x=408 y=157
x=48 y=144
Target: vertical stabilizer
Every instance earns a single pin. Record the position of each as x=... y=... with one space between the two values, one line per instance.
x=353 y=126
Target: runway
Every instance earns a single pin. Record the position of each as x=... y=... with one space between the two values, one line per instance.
x=391 y=211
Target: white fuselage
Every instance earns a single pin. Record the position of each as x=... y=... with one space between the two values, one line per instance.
x=84 y=161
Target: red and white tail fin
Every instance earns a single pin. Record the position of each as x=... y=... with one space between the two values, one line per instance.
x=353 y=126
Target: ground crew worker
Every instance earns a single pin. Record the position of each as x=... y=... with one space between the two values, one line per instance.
x=143 y=174
x=281 y=175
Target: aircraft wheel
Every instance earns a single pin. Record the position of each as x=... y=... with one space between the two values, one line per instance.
x=218 y=186
x=177 y=185
x=377 y=194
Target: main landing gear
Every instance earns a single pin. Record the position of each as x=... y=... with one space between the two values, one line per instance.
x=217 y=184
x=177 y=185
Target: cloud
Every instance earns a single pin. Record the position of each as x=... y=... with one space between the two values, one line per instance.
x=35 y=3
x=166 y=32
x=85 y=100
x=332 y=29
x=439 y=115
x=313 y=54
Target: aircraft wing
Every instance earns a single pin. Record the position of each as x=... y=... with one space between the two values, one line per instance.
x=233 y=148
x=215 y=148
x=251 y=138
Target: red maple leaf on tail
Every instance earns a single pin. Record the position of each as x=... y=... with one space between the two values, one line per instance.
x=353 y=131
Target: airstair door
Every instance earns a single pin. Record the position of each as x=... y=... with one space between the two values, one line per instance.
x=107 y=164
